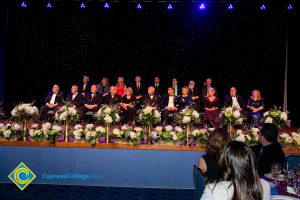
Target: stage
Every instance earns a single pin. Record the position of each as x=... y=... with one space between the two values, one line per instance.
x=112 y=165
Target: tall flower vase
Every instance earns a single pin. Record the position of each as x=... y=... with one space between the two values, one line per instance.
x=107 y=126
x=66 y=134
x=188 y=132
x=229 y=130
x=25 y=130
x=149 y=130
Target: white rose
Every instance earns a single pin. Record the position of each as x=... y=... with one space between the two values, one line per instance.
x=178 y=129
x=89 y=126
x=156 y=114
x=154 y=134
x=32 y=133
x=174 y=136
x=158 y=128
x=196 y=132
x=239 y=132
x=117 y=118
x=147 y=110
x=196 y=114
x=269 y=120
x=284 y=135
x=186 y=119
x=132 y=135
x=108 y=119
x=46 y=125
x=63 y=116
x=240 y=138
x=78 y=126
x=36 y=110
x=169 y=128
x=107 y=110
x=21 y=107
x=203 y=131
x=7 y=133
x=140 y=116
x=295 y=134
x=283 y=116
x=14 y=112
x=254 y=131
x=116 y=132
x=266 y=113
x=100 y=129
x=138 y=129
x=236 y=114
x=57 y=128
x=17 y=127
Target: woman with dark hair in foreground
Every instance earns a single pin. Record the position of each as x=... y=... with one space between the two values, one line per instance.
x=240 y=180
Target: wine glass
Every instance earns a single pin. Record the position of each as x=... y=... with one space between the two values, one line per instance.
x=276 y=171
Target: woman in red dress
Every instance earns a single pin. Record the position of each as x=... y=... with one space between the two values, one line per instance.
x=121 y=87
x=211 y=106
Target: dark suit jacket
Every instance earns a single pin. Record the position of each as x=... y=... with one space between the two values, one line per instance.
x=228 y=101
x=92 y=101
x=204 y=91
x=87 y=88
x=108 y=100
x=140 y=91
x=147 y=101
x=165 y=101
x=77 y=101
x=270 y=154
x=195 y=92
x=159 y=90
x=179 y=87
x=59 y=99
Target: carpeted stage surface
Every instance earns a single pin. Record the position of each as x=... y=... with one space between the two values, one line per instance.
x=59 y=192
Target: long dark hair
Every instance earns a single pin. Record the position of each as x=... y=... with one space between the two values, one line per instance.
x=216 y=142
x=238 y=165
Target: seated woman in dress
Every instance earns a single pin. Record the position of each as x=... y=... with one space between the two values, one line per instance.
x=239 y=176
x=255 y=105
x=121 y=87
x=128 y=105
x=211 y=106
x=208 y=163
x=185 y=100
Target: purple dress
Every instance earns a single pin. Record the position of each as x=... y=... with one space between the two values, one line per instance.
x=211 y=115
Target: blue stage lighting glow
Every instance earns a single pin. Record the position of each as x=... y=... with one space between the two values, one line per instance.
x=139 y=6
x=23 y=4
x=202 y=6
x=230 y=7
x=106 y=5
x=82 y=5
x=263 y=7
x=170 y=7
x=290 y=7
x=49 y=5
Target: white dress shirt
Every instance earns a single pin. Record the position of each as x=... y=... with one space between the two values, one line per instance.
x=74 y=95
x=52 y=101
x=171 y=102
x=175 y=90
x=84 y=85
x=235 y=103
x=224 y=191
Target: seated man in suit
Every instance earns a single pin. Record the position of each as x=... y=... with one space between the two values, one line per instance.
x=112 y=98
x=92 y=102
x=169 y=105
x=75 y=98
x=195 y=94
x=158 y=87
x=269 y=151
x=151 y=99
x=53 y=100
x=236 y=101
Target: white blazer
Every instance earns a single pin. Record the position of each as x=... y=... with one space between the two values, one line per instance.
x=222 y=191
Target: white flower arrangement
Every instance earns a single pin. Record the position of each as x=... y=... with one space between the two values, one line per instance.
x=90 y=134
x=100 y=130
x=66 y=113
x=231 y=115
x=189 y=116
x=291 y=140
x=276 y=117
x=9 y=131
x=107 y=115
x=149 y=115
x=25 y=112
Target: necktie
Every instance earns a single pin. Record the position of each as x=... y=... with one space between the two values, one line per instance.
x=138 y=86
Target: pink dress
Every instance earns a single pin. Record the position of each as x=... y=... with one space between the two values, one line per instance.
x=121 y=90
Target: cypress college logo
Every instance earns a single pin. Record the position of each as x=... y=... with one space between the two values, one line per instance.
x=22 y=176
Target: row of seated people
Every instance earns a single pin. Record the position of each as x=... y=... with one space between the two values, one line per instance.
x=169 y=103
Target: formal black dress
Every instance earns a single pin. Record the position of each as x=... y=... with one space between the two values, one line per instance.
x=212 y=169
x=130 y=111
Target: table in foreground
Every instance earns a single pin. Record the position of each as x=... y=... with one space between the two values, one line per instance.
x=112 y=165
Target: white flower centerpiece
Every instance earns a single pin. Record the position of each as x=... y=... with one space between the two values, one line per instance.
x=36 y=132
x=276 y=117
x=231 y=116
x=78 y=133
x=52 y=132
x=199 y=137
x=9 y=131
x=148 y=117
x=168 y=135
x=108 y=115
x=24 y=112
x=90 y=134
x=67 y=114
x=188 y=117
